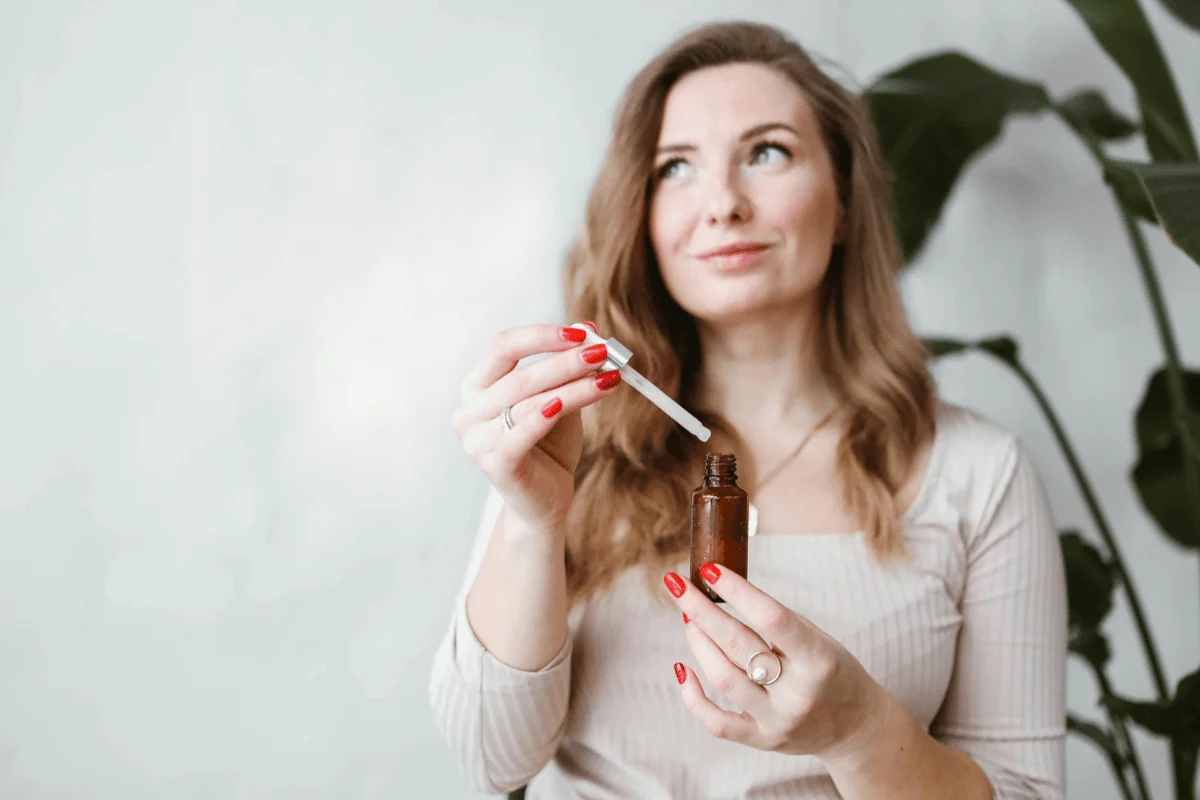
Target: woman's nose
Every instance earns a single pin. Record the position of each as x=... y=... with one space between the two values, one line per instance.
x=725 y=202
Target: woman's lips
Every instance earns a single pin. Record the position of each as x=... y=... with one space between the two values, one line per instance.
x=733 y=256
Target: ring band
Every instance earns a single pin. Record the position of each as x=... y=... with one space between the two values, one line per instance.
x=506 y=418
x=759 y=674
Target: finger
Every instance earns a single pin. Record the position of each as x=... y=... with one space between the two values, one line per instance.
x=535 y=416
x=725 y=677
x=736 y=640
x=781 y=626
x=719 y=723
x=510 y=346
x=540 y=377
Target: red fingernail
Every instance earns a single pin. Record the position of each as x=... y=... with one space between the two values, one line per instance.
x=552 y=408
x=607 y=380
x=685 y=618
x=674 y=583
x=573 y=334
x=710 y=572
x=595 y=354
x=680 y=672
x=591 y=325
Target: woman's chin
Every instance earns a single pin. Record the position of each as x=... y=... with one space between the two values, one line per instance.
x=730 y=311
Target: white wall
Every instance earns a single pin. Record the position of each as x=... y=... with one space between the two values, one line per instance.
x=247 y=252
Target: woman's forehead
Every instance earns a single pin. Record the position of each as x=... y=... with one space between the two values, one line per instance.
x=732 y=98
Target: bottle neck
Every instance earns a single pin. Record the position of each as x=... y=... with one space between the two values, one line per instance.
x=720 y=480
x=720 y=469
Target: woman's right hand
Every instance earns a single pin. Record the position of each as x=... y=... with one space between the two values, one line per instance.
x=533 y=465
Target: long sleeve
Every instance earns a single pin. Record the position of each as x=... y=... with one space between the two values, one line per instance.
x=503 y=725
x=1006 y=703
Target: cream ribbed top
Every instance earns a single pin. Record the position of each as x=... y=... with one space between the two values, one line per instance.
x=970 y=633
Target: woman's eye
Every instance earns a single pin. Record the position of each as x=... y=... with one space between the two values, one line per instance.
x=675 y=168
x=770 y=154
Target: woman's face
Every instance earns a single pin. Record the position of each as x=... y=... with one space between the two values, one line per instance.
x=744 y=210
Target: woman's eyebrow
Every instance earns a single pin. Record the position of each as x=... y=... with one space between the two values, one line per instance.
x=750 y=133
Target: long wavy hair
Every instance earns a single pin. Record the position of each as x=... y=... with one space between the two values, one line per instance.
x=638 y=469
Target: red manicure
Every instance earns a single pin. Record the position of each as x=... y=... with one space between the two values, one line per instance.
x=573 y=334
x=591 y=325
x=552 y=408
x=607 y=380
x=680 y=672
x=685 y=618
x=674 y=583
x=595 y=354
x=710 y=572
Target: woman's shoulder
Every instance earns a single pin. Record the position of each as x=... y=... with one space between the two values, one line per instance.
x=968 y=435
x=974 y=459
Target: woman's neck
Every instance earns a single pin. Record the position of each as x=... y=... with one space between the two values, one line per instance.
x=763 y=374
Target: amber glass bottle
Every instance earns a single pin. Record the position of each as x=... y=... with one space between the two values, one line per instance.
x=720 y=521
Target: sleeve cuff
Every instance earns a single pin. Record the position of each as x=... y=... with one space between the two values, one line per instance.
x=475 y=663
x=1007 y=785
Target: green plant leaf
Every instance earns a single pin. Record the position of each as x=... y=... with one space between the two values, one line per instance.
x=1002 y=347
x=1092 y=646
x=1173 y=191
x=1186 y=705
x=1186 y=11
x=1153 y=422
x=1159 y=475
x=1129 y=190
x=1090 y=582
x=933 y=116
x=1099 y=736
x=1177 y=719
x=1154 y=717
x=1121 y=28
x=1089 y=113
x=944 y=347
x=1162 y=488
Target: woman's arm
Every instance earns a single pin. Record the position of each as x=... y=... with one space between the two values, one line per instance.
x=517 y=605
x=1001 y=730
x=500 y=702
x=897 y=759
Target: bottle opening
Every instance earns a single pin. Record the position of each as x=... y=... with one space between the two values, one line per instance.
x=720 y=465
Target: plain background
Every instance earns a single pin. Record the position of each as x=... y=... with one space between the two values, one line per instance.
x=247 y=252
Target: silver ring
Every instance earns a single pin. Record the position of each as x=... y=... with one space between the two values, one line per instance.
x=506 y=418
x=759 y=674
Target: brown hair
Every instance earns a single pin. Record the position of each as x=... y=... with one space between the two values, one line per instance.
x=638 y=469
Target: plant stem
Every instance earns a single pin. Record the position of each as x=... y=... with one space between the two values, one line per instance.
x=1183 y=760
x=1121 y=733
x=1175 y=385
x=1114 y=758
x=1184 y=765
x=1114 y=552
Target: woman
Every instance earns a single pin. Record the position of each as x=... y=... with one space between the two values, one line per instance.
x=906 y=576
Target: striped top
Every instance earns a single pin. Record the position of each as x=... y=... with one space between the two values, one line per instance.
x=969 y=632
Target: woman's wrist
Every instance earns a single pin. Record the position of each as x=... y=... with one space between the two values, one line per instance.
x=885 y=727
x=516 y=530
x=895 y=756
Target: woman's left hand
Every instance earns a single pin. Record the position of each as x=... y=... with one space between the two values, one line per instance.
x=823 y=702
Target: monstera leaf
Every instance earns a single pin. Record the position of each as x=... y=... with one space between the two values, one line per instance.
x=934 y=115
x=1161 y=475
x=1121 y=28
x=1172 y=194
